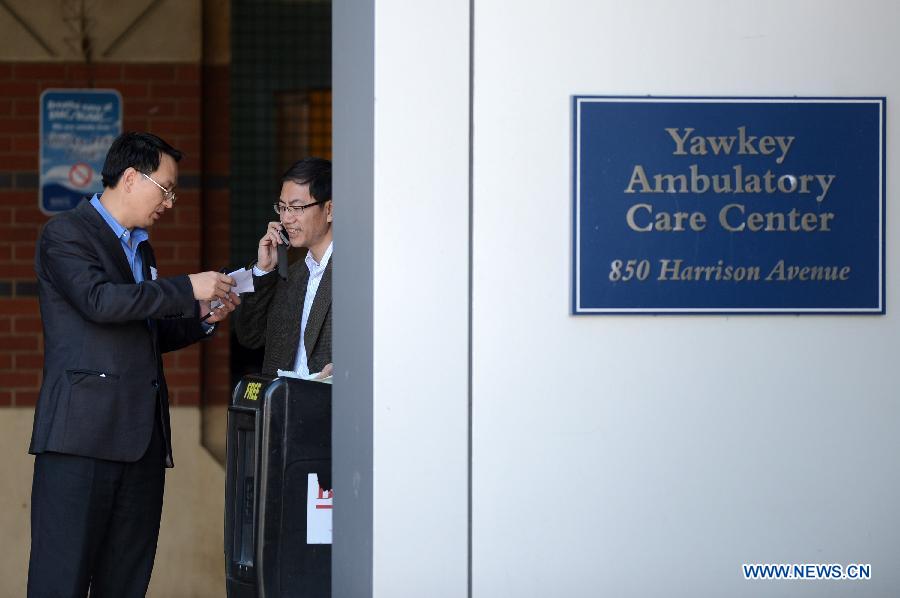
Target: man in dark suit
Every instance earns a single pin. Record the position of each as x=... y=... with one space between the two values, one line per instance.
x=101 y=427
x=292 y=318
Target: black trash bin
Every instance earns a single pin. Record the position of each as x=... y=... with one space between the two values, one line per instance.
x=279 y=432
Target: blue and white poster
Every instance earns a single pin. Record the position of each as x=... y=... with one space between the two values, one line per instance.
x=77 y=128
x=728 y=205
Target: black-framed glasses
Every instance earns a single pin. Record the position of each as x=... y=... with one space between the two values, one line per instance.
x=281 y=208
x=167 y=194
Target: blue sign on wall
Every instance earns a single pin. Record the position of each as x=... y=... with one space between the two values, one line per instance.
x=728 y=205
x=77 y=128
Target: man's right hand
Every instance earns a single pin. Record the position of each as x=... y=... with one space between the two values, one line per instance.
x=211 y=285
x=267 y=254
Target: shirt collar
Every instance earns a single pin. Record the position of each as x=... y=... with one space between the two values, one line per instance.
x=316 y=266
x=137 y=234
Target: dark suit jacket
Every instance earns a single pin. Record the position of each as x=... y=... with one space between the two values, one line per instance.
x=272 y=314
x=104 y=336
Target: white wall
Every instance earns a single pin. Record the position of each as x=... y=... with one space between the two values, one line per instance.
x=652 y=456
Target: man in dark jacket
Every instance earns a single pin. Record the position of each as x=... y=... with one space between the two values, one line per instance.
x=101 y=427
x=292 y=318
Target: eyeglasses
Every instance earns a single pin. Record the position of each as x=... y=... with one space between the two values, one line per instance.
x=167 y=195
x=281 y=208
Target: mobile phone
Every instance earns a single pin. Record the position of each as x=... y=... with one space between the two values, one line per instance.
x=282 y=255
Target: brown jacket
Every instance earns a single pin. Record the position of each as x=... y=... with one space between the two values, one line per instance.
x=271 y=315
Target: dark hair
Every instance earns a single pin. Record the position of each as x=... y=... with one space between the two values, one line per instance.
x=315 y=172
x=140 y=151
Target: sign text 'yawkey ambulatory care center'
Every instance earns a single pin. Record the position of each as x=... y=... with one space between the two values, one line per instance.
x=728 y=205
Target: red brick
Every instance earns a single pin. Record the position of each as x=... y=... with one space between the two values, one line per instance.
x=16 y=271
x=151 y=108
x=189 y=358
x=5 y=324
x=182 y=378
x=5 y=398
x=14 y=307
x=188 y=73
x=17 y=125
x=186 y=398
x=132 y=90
x=79 y=73
x=18 y=198
x=190 y=162
x=188 y=215
x=6 y=252
x=26 y=325
x=28 y=107
x=20 y=89
x=27 y=215
x=164 y=253
x=188 y=145
x=29 y=361
x=5 y=70
x=189 y=108
x=38 y=70
x=172 y=233
x=20 y=162
x=6 y=361
x=22 y=252
x=175 y=90
x=27 y=234
x=218 y=164
x=29 y=379
x=107 y=72
x=148 y=72
x=135 y=124
x=25 y=143
x=169 y=128
x=26 y=398
x=30 y=216
x=19 y=343
x=57 y=84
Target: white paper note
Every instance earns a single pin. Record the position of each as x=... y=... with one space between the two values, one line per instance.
x=319 y=505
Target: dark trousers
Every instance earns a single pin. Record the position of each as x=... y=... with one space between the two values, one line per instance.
x=94 y=524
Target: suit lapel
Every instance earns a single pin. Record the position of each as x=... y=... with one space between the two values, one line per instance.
x=110 y=243
x=291 y=317
x=318 y=311
x=147 y=259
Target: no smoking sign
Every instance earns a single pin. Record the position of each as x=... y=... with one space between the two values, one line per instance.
x=81 y=174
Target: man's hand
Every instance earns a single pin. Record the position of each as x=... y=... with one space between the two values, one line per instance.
x=230 y=302
x=328 y=370
x=267 y=254
x=211 y=285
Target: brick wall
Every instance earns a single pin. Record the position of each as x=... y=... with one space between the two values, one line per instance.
x=164 y=99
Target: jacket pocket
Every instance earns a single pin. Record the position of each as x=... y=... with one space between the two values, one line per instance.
x=76 y=376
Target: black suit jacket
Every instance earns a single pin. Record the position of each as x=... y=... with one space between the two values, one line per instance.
x=104 y=336
x=272 y=314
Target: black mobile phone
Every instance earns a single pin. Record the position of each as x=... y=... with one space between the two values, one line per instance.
x=282 y=255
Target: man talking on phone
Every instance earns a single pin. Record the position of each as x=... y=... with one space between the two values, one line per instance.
x=292 y=317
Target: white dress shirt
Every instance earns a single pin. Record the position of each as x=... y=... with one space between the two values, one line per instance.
x=316 y=270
